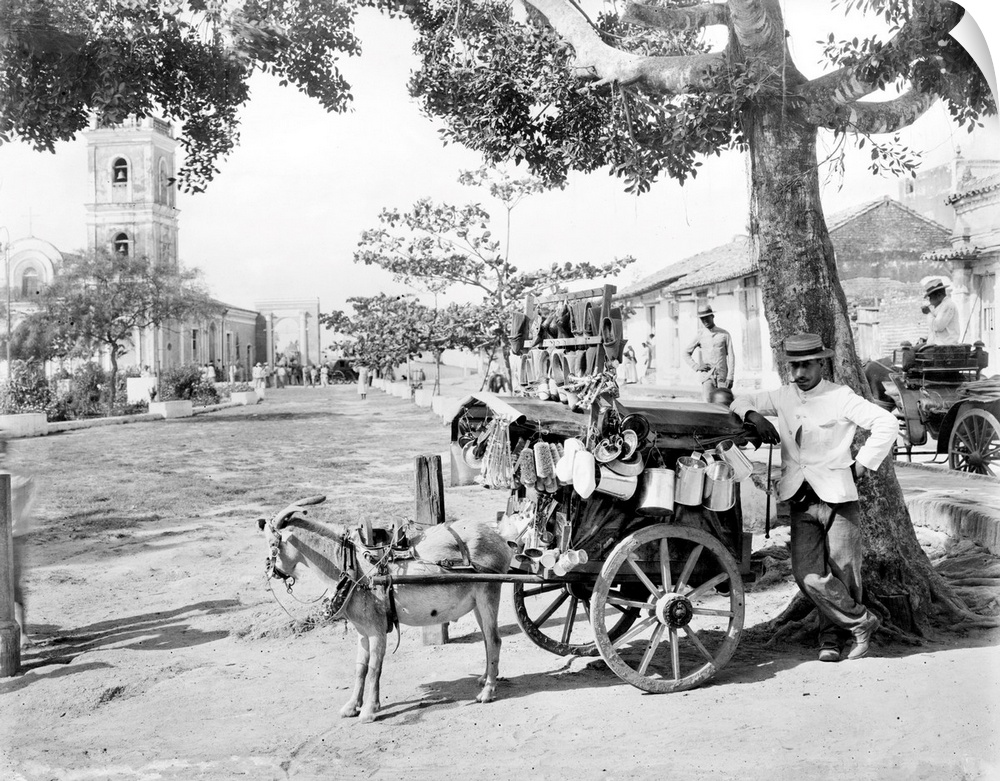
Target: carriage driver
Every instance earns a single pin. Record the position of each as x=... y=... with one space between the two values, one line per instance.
x=816 y=424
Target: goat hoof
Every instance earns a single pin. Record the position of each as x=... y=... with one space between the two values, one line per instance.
x=487 y=695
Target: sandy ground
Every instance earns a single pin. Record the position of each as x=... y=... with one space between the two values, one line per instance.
x=160 y=652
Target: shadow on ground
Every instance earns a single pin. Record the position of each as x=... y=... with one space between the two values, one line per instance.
x=160 y=631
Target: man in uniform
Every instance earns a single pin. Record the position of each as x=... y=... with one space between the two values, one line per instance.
x=716 y=358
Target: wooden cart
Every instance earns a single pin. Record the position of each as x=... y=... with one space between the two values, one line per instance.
x=661 y=598
x=937 y=391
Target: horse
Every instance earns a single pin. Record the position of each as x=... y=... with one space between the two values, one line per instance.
x=336 y=556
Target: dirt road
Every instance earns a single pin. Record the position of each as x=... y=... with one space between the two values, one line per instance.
x=160 y=653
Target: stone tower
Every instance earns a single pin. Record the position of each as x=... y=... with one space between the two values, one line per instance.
x=131 y=169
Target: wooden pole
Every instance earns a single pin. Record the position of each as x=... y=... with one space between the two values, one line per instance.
x=10 y=632
x=429 y=511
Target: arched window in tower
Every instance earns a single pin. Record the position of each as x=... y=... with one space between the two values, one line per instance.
x=30 y=284
x=121 y=244
x=120 y=181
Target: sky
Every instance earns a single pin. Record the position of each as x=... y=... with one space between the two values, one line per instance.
x=283 y=217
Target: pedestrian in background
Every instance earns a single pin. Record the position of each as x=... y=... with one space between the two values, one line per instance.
x=716 y=357
x=942 y=314
x=816 y=424
x=363 y=382
x=646 y=356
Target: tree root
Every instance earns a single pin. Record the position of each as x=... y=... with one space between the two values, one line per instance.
x=951 y=605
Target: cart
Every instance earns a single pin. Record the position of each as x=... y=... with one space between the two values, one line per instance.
x=938 y=390
x=342 y=373
x=653 y=585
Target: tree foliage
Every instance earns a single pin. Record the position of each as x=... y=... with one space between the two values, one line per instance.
x=385 y=331
x=441 y=246
x=641 y=94
x=186 y=60
x=98 y=301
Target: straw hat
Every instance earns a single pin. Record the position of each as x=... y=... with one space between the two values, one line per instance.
x=934 y=286
x=804 y=347
x=705 y=310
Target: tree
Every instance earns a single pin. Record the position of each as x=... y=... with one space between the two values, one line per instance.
x=33 y=339
x=387 y=331
x=441 y=245
x=187 y=60
x=99 y=300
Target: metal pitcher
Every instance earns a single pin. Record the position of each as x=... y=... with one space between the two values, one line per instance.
x=656 y=496
x=616 y=485
x=720 y=487
x=690 y=481
x=732 y=455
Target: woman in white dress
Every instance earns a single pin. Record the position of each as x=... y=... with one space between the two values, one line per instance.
x=363 y=381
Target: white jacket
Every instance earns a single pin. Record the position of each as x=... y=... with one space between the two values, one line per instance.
x=827 y=417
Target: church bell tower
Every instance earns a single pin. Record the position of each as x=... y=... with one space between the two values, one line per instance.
x=131 y=167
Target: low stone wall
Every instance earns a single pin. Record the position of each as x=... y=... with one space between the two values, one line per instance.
x=180 y=408
x=27 y=424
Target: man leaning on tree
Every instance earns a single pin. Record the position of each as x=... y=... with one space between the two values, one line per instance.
x=816 y=424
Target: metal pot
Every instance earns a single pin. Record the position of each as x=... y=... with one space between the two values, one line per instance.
x=720 y=487
x=732 y=455
x=616 y=485
x=690 y=481
x=656 y=497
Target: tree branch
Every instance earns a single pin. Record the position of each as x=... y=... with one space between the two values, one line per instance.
x=605 y=64
x=846 y=85
x=888 y=116
x=693 y=17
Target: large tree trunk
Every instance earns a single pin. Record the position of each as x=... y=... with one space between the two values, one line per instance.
x=802 y=292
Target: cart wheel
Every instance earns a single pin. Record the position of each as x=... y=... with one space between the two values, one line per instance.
x=691 y=608
x=554 y=615
x=975 y=442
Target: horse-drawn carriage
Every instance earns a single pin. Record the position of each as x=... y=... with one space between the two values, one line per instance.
x=937 y=390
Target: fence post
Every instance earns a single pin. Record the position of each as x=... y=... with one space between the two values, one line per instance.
x=428 y=511
x=10 y=632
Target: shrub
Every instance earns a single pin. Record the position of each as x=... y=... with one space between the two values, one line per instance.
x=187 y=382
x=26 y=390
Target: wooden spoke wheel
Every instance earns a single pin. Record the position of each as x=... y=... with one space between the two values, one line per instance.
x=690 y=603
x=556 y=617
x=339 y=378
x=975 y=442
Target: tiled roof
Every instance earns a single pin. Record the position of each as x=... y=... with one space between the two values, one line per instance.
x=841 y=218
x=722 y=263
x=732 y=260
x=719 y=261
x=968 y=252
x=974 y=188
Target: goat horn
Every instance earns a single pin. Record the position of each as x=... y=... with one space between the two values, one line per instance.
x=318 y=499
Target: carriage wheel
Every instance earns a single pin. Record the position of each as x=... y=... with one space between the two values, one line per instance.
x=691 y=608
x=975 y=442
x=555 y=616
x=338 y=377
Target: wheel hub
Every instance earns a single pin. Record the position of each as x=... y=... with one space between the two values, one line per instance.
x=674 y=610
